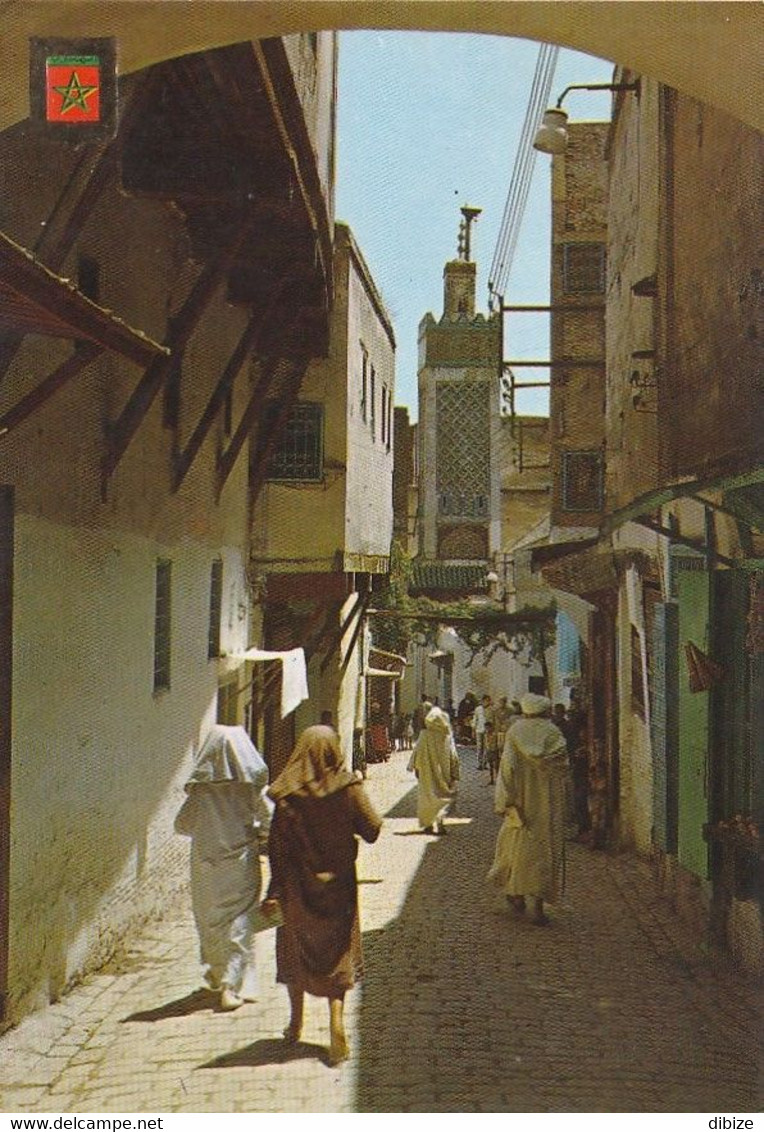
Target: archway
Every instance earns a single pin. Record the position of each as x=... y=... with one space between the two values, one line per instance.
x=707 y=50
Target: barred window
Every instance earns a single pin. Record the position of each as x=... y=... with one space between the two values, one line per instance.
x=583 y=268
x=299 y=453
x=162 y=625
x=383 y=414
x=582 y=481
x=373 y=405
x=216 y=608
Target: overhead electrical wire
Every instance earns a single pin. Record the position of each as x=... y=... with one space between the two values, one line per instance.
x=522 y=173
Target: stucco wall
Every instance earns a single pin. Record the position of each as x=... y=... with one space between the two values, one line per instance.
x=715 y=327
x=98 y=760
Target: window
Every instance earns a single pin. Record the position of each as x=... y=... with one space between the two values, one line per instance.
x=389 y=421
x=373 y=404
x=383 y=414
x=582 y=481
x=299 y=453
x=89 y=277
x=162 y=610
x=364 y=385
x=216 y=608
x=583 y=268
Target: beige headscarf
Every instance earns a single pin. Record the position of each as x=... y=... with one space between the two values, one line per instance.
x=315 y=767
x=531 y=704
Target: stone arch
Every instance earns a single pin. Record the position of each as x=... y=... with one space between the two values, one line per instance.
x=710 y=51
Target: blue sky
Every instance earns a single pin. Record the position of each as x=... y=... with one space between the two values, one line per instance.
x=426 y=123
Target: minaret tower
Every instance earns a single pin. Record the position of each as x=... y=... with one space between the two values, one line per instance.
x=459 y=422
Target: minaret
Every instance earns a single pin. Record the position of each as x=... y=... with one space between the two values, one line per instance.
x=459 y=274
x=459 y=422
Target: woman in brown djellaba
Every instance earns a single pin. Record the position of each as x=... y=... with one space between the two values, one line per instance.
x=321 y=808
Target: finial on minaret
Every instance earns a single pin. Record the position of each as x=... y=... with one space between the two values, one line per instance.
x=469 y=215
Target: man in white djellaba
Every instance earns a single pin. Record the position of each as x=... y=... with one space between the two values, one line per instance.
x=436 y=765
x=529 y=863
x=227 y=816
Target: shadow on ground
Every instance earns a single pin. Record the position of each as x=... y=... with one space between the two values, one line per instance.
x=268 y=1051
x=466 y=1007
x=405 y=807
x=192 y=1003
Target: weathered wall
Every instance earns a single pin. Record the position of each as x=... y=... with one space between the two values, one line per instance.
x=577 y=395
x=714 y=284
x=633 y=226
x=524 y=490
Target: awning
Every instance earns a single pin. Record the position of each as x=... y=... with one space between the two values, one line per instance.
x=34 y=300
x=589 y=570
x=384 y=672
x=294 y=675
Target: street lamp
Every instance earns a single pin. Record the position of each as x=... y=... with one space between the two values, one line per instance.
x=552 y=134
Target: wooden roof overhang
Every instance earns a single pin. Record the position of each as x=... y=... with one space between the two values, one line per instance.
x=222 y=135
x=34 y=300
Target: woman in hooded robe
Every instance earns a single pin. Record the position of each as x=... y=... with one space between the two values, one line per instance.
x=321 y=810
x=530 y=794
x=227 y=816
x=436 y=765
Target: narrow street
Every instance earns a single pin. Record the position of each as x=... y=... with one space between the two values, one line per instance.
x=463 y=1008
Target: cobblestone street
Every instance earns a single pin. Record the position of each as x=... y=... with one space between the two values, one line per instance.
x=463 y=1009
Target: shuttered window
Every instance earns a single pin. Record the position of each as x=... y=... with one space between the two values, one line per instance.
x=162 y=624
x=216 y=608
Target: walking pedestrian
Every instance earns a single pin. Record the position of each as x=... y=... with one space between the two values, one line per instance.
x=530 y=794
x=321 y=808
x=227 y=817
x=436 y=764
x=478 y=722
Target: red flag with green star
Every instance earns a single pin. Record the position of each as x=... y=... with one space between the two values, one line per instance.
x=72 y=88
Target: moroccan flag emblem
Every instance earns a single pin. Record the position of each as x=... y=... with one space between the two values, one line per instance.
x=73 y=88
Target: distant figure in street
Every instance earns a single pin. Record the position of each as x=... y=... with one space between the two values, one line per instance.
x=227 y=817
x=409 y=732
x=420 y=714
x=478 y=723
x=436 y=764
x=379 y=733
x=321 y=808
x=598 y=799
x=503 y=717
x=399 y=731
x=578 y=755
x=530 y=794
x=463 y=717
x=492 y=753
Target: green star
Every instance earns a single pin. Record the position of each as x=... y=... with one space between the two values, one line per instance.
x=74 y=94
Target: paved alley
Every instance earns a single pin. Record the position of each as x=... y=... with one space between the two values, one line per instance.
x=463 y=1009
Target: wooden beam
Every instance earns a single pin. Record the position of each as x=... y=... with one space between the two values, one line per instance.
x=682 y=540
x=182 y=326
x=342 y=630
x=52 y=250
x=68 y=369
x=247 y=344
x=242 y=350
x=359 y=625
x=244 y=428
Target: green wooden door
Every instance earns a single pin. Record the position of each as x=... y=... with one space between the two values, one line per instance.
x=693 y=596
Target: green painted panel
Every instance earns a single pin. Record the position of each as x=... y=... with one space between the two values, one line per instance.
x=693 y=595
